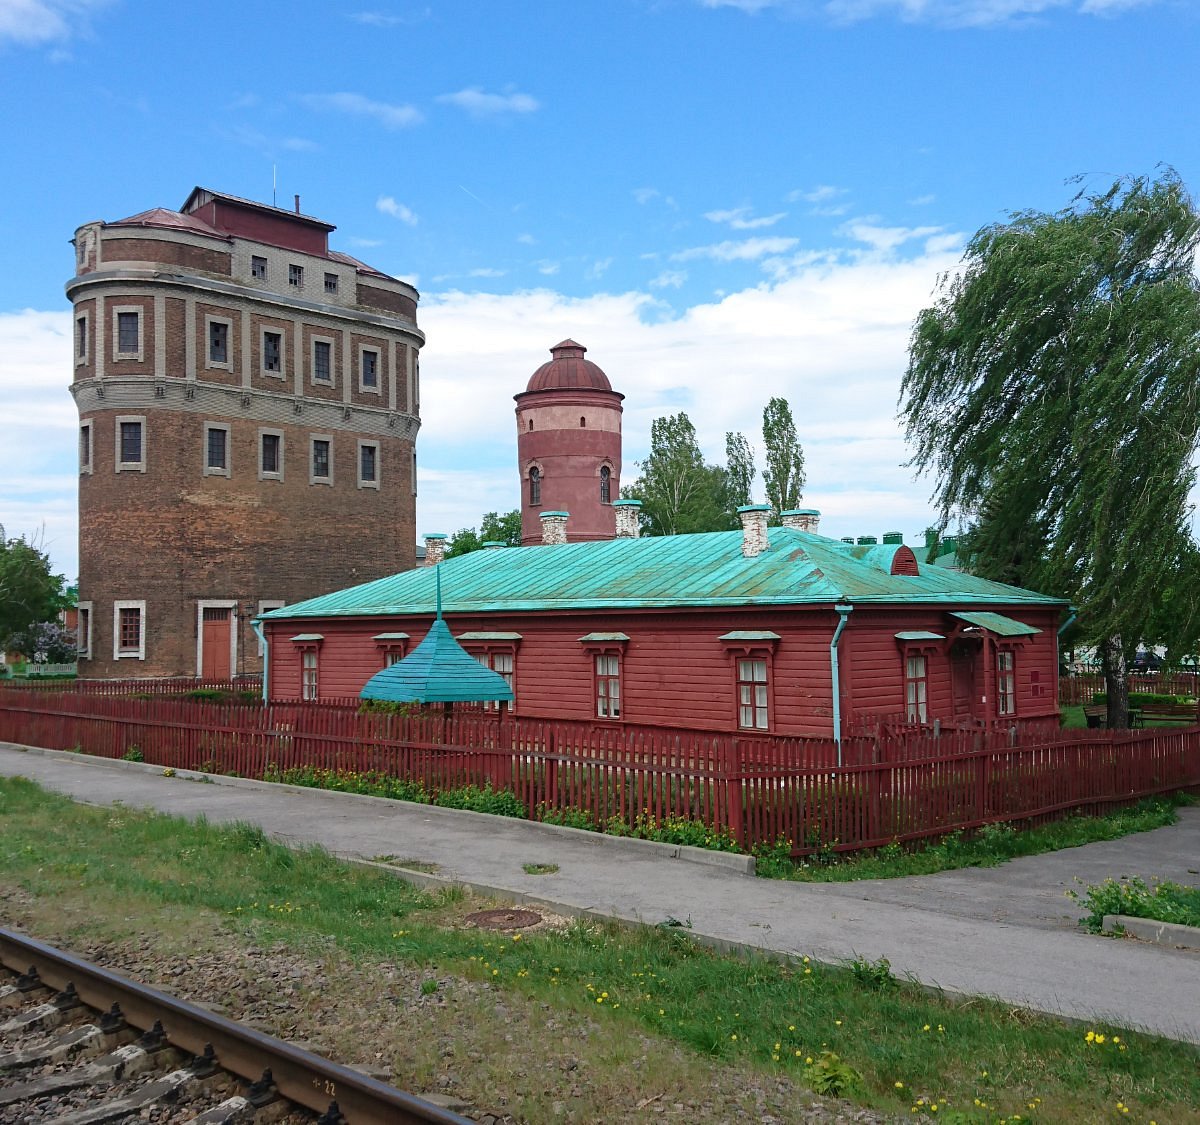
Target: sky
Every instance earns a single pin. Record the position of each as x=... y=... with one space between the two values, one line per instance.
x=723 y=200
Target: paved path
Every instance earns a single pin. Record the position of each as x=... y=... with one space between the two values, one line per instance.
x=1002 y=932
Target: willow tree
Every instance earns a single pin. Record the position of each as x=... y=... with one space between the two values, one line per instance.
x=1052 y=390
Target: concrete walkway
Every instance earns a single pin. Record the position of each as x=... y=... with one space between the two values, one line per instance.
x=1006 y=932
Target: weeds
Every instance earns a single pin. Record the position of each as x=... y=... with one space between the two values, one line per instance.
x=1162 y=902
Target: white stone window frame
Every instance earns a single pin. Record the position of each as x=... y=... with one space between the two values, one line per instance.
x=213 y=364
x=312 y=445
x=214 y=470
x=363 y=443
x=265 y=604
x=281 y=332
x=83 y=335
x=137 y=356
x=85 y=466
x=312 y=361
x=234 y=628
x=129 y=466
x=129 y=654
x=377 y=351
x=83 y=637
x=264 y=474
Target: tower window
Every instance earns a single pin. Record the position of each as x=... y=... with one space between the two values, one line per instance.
x=321 y=367
x=535 y=485
x=370 y=369
x=331 y=283
x=128 y=336
x=270 y=454
x=272 y=355
x=216 y=449
x=258 y=268
x=531 y=423
x=296 y=276
x=218 y=341
x=131 y=447
x=605 y=485
x=582 y=421
x=322 y=470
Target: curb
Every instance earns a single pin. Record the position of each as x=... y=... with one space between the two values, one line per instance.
x=734 y=862
x=1170 y=934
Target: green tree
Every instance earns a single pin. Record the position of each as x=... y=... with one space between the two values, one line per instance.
x=784 y=471
x=495 y=528
x=739 y=469
x=680 y=494
x=29 y=591
x=1053 y=390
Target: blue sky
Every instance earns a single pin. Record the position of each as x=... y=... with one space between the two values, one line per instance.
x=724 y=200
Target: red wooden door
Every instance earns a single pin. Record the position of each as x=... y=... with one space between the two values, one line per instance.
x=214 y=645
x=962 y=679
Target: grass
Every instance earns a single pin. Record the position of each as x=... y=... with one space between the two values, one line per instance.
x=540 y=868
x=1161 y=902
x=891 y=1045
x=991 y=845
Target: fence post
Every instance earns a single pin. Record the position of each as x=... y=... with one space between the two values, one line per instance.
x=732 y=778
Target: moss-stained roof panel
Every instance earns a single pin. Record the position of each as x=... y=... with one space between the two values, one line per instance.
x=675 y=571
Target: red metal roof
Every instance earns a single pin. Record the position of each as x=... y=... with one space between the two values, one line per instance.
x=200 y=196
x=170 y=220
x=569 y=371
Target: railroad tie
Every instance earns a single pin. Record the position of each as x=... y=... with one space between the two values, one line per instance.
x=125 y=1061
x=160 y=1089
x=232 y=1111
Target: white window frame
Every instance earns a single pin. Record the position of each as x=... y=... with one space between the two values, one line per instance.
x=129 y=654
x=312 y=361
x=262 y=351
x=332 y=292
x=218 y=603
x=312 y=477
x=255 y=261
x=81 y=357
x=83 y=637
x=129 y=466
x=119 y=356
x=310 y=690
x=215 y=470
x=916 y=687
x=295 y=276
x=362 y=444
x=209 y=362
x=751 y=690
x=265 y=604
x=264 y=474
x=86 y=466
x=375 y=350
x=1006 y=674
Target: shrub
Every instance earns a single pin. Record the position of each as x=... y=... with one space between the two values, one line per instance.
x=830 y=1075
x=1163 y=902
x=133 y=754
x=875 y=975
x=673 y=830
x=566 y=817
x=498 y=802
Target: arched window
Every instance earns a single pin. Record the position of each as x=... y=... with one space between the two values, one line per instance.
x=582 y=421
x=605 y=485
x=531 y=423
x=535 y=485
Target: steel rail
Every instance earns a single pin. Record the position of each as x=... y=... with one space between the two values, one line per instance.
x=298 y=1075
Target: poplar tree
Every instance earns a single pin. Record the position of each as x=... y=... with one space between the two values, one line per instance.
x=680 y=494
x=1052 y=389
x=739 y=469
x=783 y=475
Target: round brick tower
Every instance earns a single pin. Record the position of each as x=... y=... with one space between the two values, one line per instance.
x=569 y=446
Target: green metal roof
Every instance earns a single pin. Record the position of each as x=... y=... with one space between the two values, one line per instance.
x=997 y=623
x=919 y=635
x=750 y=635
x=673 y=571
x=437 y=671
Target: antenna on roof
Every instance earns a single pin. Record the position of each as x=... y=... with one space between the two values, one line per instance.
x=273 y=184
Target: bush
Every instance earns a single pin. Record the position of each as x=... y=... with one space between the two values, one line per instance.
x=566 y=817
x=1163 y=902
x=498 y=802
x=673 y=830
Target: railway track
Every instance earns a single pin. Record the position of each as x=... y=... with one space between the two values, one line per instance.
x=81 y=1045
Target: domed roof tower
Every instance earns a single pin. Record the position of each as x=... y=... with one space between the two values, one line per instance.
x=569 y=446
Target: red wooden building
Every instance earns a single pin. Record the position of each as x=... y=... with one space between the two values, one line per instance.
x=779 y=630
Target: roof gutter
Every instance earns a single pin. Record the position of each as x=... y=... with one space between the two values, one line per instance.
x=257 y=626
x=843 y=612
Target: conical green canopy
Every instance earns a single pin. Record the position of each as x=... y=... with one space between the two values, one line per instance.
x=438 y=670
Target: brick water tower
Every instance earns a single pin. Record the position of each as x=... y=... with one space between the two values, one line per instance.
x=569 y=446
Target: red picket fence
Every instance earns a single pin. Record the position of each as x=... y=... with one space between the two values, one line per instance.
x=901 y=786
x=165 y=686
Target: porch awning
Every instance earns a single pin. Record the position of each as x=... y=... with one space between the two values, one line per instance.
x=749 y=635
x=919 y=635
x=997 y=623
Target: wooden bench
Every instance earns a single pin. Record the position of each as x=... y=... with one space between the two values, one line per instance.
x=1185 y=713
x=1096 y=714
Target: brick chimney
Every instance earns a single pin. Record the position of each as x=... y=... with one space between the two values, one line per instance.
x=554 y=528
x=435 y=548
x=801 y=519
x=628 y=525
x=754 y=528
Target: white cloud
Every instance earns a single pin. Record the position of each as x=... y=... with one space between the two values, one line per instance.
x=822 y=193
x=644 y=195
x=357 y=105
x=40 y=487
x=390 y=19
x=922 y=200
x=365 y=243
x=946 y=13
x=747 y=250
x=887 y=238
x=29 y=22
x=548 y=268
x=487 y=271
x=598 y=268
x=526 y=239
x=389 y=206
x=739 y=218
x=669 y=279
x=478 y=103
x=252 y=138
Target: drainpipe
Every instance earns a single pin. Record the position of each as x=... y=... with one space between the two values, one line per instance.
x=1072 y=613
x=257 y=626
x=843 y=612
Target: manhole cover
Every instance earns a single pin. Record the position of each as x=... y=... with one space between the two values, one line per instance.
x=503 y=919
